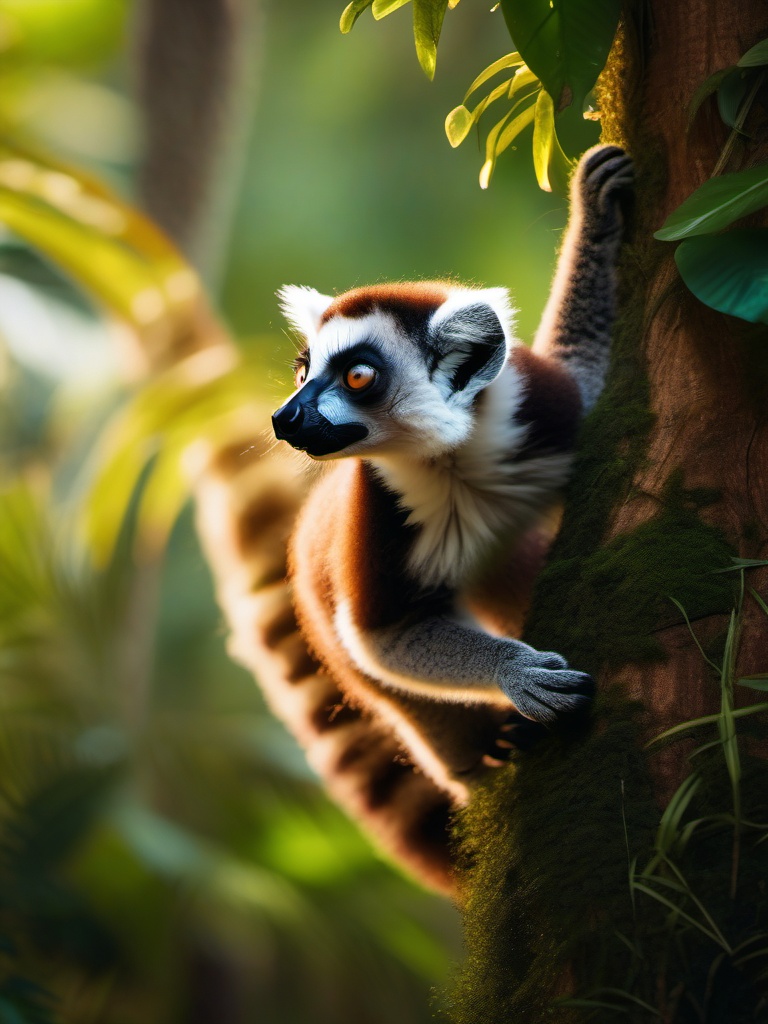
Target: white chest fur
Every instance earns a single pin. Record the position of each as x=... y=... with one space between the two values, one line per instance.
x=466 y=503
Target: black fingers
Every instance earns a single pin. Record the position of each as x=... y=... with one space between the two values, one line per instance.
x=516 y=732
x=606 y=180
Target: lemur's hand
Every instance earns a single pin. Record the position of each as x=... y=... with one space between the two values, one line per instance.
x=603 y=186
x=540 y=684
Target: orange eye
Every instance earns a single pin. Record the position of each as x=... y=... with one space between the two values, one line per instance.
x=359 y=376
x=301 y=376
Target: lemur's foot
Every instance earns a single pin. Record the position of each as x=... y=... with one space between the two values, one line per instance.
x=541 y=685
x=516 y=732
x=604 y=179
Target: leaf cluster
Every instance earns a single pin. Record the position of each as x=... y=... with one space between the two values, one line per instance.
x=562 y=46
x=728 y=271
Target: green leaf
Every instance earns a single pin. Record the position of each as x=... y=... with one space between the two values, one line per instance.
x=381 y=8
x=694 y=723
x=486 y=171
x=728 y=272
x=669 y=826
x=427 y=22
x=9 y=1014
x=511 y=60
x=715 y=937
x=755 y=57
x=513 y=129
x=550 y=163
x=458 y=125
x=564 y=42
x=500 y=137
x=351 y=13
x=730 y=97
x=756 y=682
x=717 y=203
x=707 y=87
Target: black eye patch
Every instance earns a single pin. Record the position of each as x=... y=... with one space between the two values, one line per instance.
x=367 y=355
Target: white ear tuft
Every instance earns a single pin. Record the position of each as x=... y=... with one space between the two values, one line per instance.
x=303 y=307
x=472 y=332
x=496 y=298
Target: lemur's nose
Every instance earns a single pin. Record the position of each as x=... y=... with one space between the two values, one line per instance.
x=288 y=421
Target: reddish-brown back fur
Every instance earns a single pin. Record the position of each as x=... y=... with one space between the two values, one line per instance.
x=551 y=404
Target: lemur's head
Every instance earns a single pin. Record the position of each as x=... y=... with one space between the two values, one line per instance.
x=391 y=368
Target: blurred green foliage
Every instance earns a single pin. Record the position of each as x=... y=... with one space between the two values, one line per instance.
x=165 y=855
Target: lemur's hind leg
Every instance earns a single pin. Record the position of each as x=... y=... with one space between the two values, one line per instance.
x=576 y=325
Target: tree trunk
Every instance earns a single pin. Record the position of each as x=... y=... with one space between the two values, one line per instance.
x=707 y=373
x=669 y=486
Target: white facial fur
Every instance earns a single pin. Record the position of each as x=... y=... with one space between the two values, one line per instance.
x=421 y=414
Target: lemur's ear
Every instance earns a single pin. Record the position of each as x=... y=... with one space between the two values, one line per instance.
x=303 y=308
x=472 y=332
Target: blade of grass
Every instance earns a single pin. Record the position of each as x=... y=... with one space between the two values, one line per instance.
x=677 y=910
x=683 y=612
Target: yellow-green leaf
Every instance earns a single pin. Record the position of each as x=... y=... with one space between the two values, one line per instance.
x=108 y=247
x=511 y=60
x=381 y=8
x=550 y=163
x=427 y=23
x=351 y=13
x=514 y=128
x=458 y=124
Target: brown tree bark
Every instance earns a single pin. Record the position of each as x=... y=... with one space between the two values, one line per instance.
x=707 y=373
x=669 y=486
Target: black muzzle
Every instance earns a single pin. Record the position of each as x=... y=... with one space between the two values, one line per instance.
x=302 y=425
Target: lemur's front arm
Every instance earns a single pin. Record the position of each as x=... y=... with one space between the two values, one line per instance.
x=441 y=656
x=578 y=318
x=456 y=442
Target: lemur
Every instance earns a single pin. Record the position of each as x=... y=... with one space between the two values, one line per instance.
x=414 y=554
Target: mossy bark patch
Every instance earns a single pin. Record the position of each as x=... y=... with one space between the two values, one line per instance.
x=546 y=850
x=600 y=607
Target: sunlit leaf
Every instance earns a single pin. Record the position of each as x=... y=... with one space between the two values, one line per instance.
x=460 y=120
x=550 y=163
x=511 y=60
x=728 y=272
x=498 y=93
x=564 y=42
x=76 y=32
x=493 y=142
x=351 y=13
x=107 y=247
x=522 y=77
x=187 y=402
x=458 y=125
x=427 y=23
x=513 y=129
x=717 y=203
x=381 y=8
x=755 y=57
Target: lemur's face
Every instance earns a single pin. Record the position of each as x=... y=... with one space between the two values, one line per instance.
x=391 y=368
